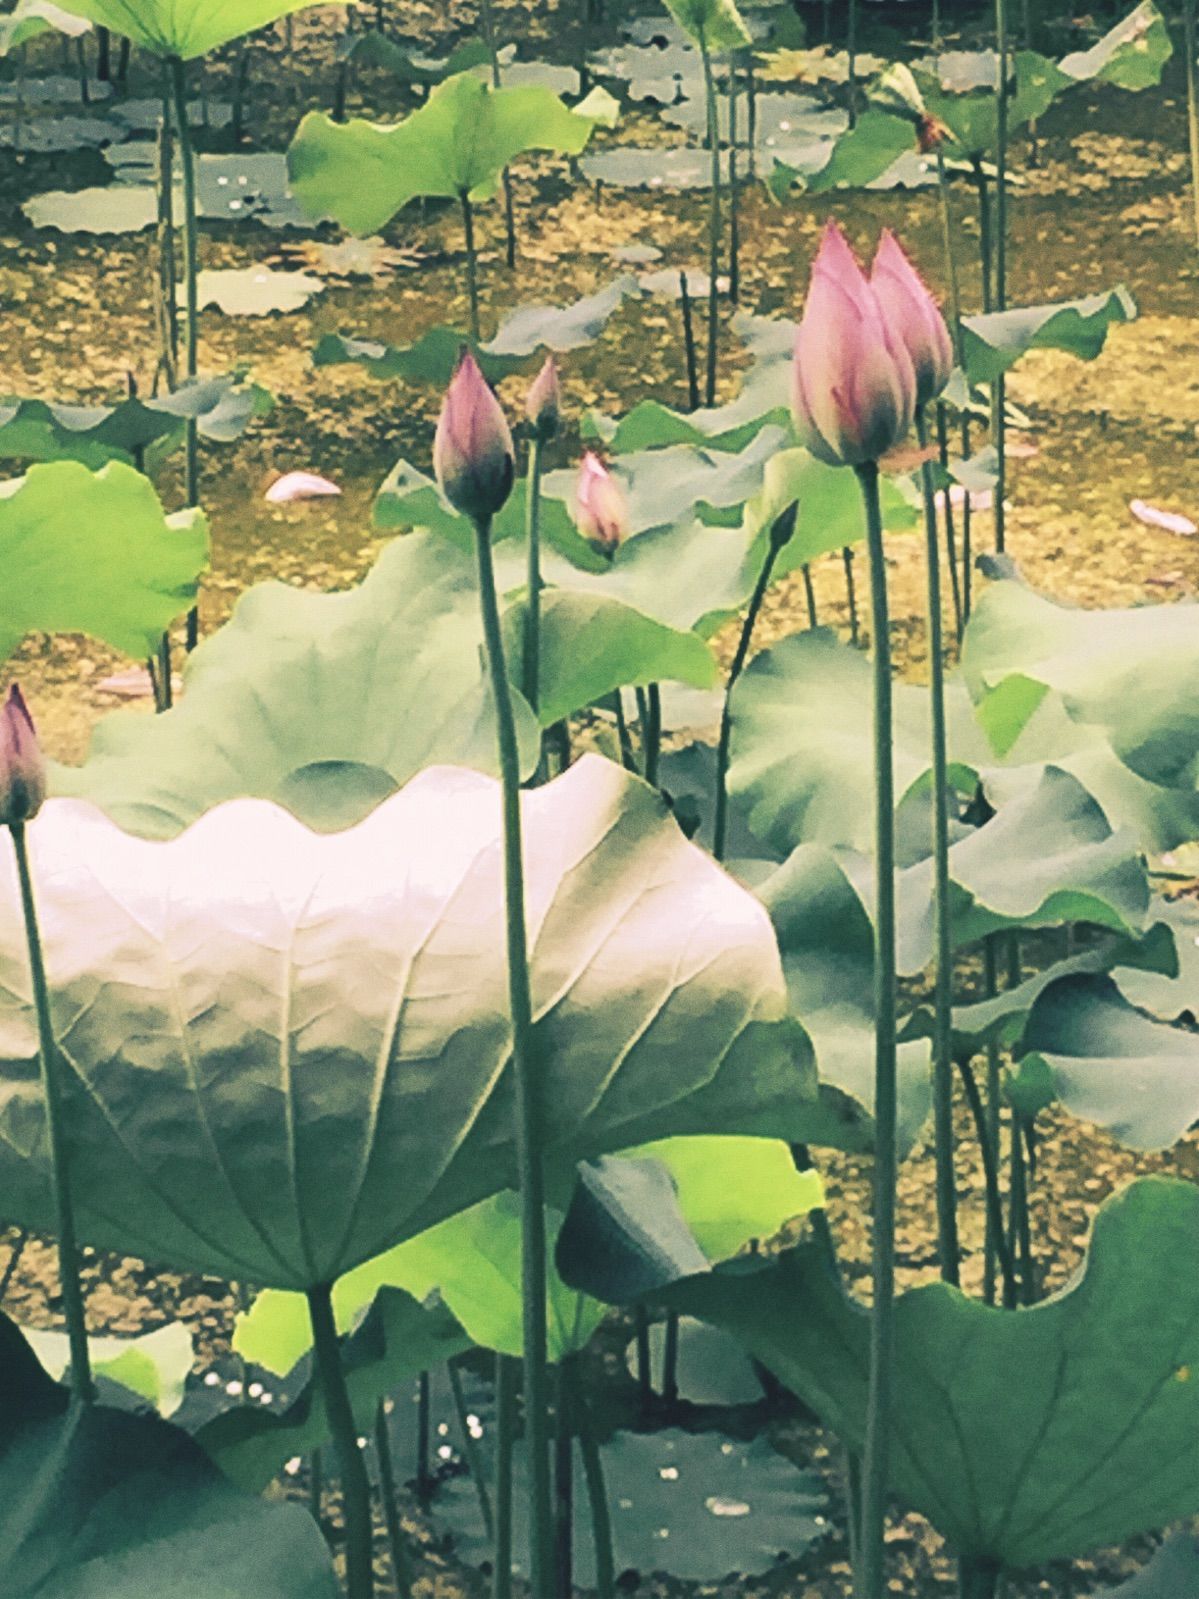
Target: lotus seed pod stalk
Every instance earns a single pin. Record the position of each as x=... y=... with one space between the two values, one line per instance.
x=853 y=384
x=22 y=766
x=911 y=312
x=472 y=451
x=601 y=511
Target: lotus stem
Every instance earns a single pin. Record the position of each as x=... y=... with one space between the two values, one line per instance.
x=977 y=1579
x=49 y=1064
x=487 y=18
x=623 y=737
x=1190 y=44
x=424 y=1478
x=563 y=1490
x=316 y=1489
x=531 y=673
x=947 y=1226
x=869 y=1574
x=355 y=1484
x=15 y=1253
x=998 y=397
x=645 y=1373
x=524 y=1064
x=472 y=265
x=401 y=1575
x=714 y=226
x=962 y=595
x=986 y=1146
x=995 y=1242
x=1019 y=1232
x=597 y=1494
x=810 y=595
x=689 y=344
x=851 y=596
x=951 y=554
x=740 y=656
x=670 y=1360
x=851 y=52
x=651 y=734
x=471 y=1451
x=187 y=160
x=505 y=1431
x=734 y=194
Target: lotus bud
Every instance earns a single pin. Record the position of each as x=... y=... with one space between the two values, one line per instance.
x=912 y=313
x=853 y=385
x=22 y=767
x=543 y=404
x=601 y=512
x=472 y=451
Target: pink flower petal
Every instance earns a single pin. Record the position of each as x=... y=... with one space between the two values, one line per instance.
x=1171 y=521
x=299 y=486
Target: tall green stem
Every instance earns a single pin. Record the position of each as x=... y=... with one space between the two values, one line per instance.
x=977 y=1579
x=531 y=664
x=994 y=1242
x=713 y=220
x=734 y=193
x=947 y=1225
x=401 y=1575
x=49 y=1065
x=994 y=1199
x=505 y=1433
x=471 y=1452
x=597 y=1494
x=998 y=397
x=489 y=36
x=869 y=1582
x=1189 y=45
x=962 y=594
x=355 y=1484
x=191 y=332
x=524 y=1065
x=472 y=264
x=851 y=52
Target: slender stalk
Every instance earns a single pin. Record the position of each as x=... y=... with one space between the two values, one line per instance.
x=524 y=1063
x=424 y=1477
x=401 y=1575
x=734 y=194
x=810 y=596
x=472 y=265
x=998 y=420
x=645 y=1374
x=869 y=1581
x=563 y=1491
x=947 y=1225
x=14 y=1260
x=487 y=17
x=531 y=665
x=167 y=275
x=713 y=221
x=689 y=344
x=951 y=554
x=986 y=1148
x=597 y=1494
x=471 y=1452
x=187 y=160
x=49 y=1063
x=505 y=1433
x=1019 y=1232
x=962 y=594
x=995 y=1242
x=316 y=1488
x=851 y=595
x=851 y=51
x=651 y=734
x=1190 y=45
x=670 y=1360
x=977 y=1579
x=740 y=656
x=623 y=736
x=355 y=1484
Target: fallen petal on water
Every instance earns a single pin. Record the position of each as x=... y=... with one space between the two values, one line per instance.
x=1154 y=516
x=299 y=486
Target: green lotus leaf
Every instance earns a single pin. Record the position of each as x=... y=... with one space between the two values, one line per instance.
x=994 y=342
x=457 y=144
x=1088 y=1448
x=29 y=18
x=972 y=117
x=394 y=1341
x=154 y=1365
x=330 y=1038
x=93 y=552
x=1136 y=1077
x=184 y=28
x=1173 y=1571
x=1168 y=992
x=714 y=24
x=101 y=1504
x=855 y=159
x=1131 y=55
x=256 y=290
x=829 y=513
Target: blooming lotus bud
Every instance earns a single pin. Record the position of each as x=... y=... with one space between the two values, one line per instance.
x=854 y=389
x=912 y=313
x=600 y=509
x=543 y=404
x=472 y=451
x=22 y=768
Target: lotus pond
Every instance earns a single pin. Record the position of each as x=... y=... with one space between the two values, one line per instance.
x=599 y=834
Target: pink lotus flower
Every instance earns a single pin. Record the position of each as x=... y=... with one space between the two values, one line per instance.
x=854 y=388
x=911 y=312
x=543 y=404
x=472 y=451
x=601 y=511
x=22 y=767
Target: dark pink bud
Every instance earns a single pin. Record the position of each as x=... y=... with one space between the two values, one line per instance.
x=543 y=404
x=911 y=312
x=600 y=509
x=472 y=451
x=22 y=768
x=854 y=388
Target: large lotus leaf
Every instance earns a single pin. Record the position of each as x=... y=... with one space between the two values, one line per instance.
x=1171 y=993
x=154 y=1365
x=856 y=159
x=29 y=18
x=729 y=1189
x=696 y=1505
x=101 y=1504
x=829 y=514
x=1127 y=671
x=42 y=430
x=256 y=290
x=1097 y=1441
x=186 y=28
x=972 y=117
x=1173 y=1573
x=532 y=328
x=261 y=1025
x=996 y=340
x=1112 y=1065
x=716 y=24
x=308 y=700
x=93 y=552
x=458 y=143
x=397 y=1339
x=1131 y=55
